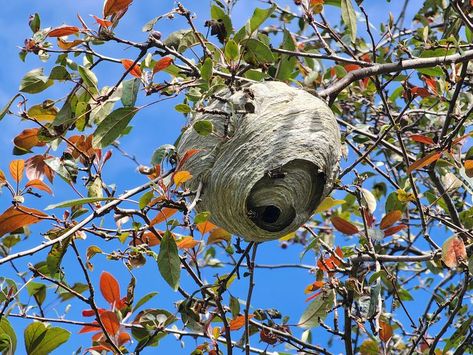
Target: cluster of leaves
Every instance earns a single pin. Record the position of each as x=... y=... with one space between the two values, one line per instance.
x=403 y=98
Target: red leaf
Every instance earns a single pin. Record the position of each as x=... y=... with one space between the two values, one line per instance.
x=421 y=139
x=110 y=288
x=344 y=226
x=393 y=230
x=431 y=83
x=422 y=92
x=351 y=67
x=427 y=160
x=389 y=219
x=135 y=71
x=28 y=139
x=90 y=328
x=63 y=31
x=17 y=217
x=37 y=169
x=91 y=312
x=112 y=7
x=453 y=252
x=186 y=157
x=110 y=322
x=38 y=184
x=102 y=22
x=161 y=64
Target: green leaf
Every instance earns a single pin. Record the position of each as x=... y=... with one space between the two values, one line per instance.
x=286 y=63
x=54 y=258
x=7 y=337
x=38 y=290
x=64 y=116
x=78 y=202
x=59 y=73
x=66 y=169
x=349 y=17
x=169 y=263
x=6 y=108
x=435 y=71
x=112 y=126
x=317 y=309
x=256 y=52
x=203 y=127
x=145 y=199
x=150 y=24
x=130 y=92
x=143 y=300
x=182 y=108
x=232 y=51
x=164 y=151
x=35 y=23
x=40 y=340
x=89 y=78
x=259 y=16
x=218 y=14
x=35 y=81
x=65 y=295
x=206 y=71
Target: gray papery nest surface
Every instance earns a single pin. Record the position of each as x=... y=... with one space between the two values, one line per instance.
x=270 y=160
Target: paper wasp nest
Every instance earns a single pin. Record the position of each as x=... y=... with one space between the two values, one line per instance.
x=272 y=157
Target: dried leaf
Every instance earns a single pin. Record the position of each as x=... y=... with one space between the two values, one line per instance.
x=110 y=288
x=427 y=160
x=453 y=251
x=391 y=218
x=386 y=331
x=14 y=218
x=187 y=155
x=393 y=230
x=135 y=71
x=38 y=184
x=66 y=45
x=16 y=169
x=344 y=226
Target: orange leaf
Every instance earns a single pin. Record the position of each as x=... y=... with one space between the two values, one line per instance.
x=38 y=184
x=351 y=67
x=110 y=288
x=431 y=83
x=181 y=177
x=16 y=169
x=148 y=238
x=393 y=230
x=63 y=31
x=15 y=218
x=161 y=64
x=468 y=168
x=102 y=22
x=68 y=45
x=112 y=7
x=135 y=71
x=421 y=139
x=386 y=331
x=453 y=252
x=186 y=157
x=427 y=160
x=344 y=226
x=28 y=139
x=205 y=227
x=391 y=218
x=314 y=286
x=3 y=179
x=110 y=322
x=163 y=215
x=238 y=322
x=123 y=338
x=187 y=243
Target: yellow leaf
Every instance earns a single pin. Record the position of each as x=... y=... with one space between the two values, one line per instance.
x=16 y=169
x=405 y=196
x=181 y=177
x=287 y=237
x=42 y=113
x=328 y=203
x=218 y=235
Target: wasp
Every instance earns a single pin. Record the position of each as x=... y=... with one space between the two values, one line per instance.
x=276 y=173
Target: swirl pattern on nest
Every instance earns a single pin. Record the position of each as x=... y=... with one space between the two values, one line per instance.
x=272 y=157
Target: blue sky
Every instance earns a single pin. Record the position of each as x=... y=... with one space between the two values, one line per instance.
x=160 y=124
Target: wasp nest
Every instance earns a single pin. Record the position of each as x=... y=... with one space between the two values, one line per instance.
x=270 y=160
